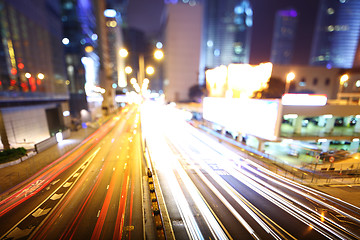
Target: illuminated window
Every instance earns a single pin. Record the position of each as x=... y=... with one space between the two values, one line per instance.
x=330 y=11
x=239 y=9
x=249 y=12
x=330 y=28
x=192 y=3
x=249 y=21
x=238 y=48
x=68 y=5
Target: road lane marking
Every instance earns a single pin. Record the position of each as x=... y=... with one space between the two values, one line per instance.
x=98 y=214
x=108 y=186
x=55 y=182
x=41 y=212
x=14 y=230
x=67 y=184
x=56 y=196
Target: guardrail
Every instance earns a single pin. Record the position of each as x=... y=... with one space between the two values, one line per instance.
x=314 y=174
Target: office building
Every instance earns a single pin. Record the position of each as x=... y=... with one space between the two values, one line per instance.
x=32 y=72
x=283 y=36
x=79 y=42
x=183 y=33
x=336 y=36
x=227 y=33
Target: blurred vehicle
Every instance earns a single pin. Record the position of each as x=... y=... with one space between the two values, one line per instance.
x=339 y=122
x=337 y=154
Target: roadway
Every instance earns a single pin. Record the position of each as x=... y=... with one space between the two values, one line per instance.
x=94 y=191
x=212 y=192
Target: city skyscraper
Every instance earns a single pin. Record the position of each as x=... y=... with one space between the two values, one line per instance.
x=336 y=34
x=227 y=33
x=79 y=34
x=283 y=36
x=183 y=34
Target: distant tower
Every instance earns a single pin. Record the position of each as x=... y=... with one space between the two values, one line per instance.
x=283 y=36
x=182 y=48
x=336 y=34
x=227 y=33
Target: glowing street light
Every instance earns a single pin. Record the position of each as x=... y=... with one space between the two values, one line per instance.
x=133 y=81
x=123 y=53
x=150 y=70
x=27 y=75
x=146 y=81
x=289 y=77
x=343 y=79
x=158 y=54
x=41 y=76
x=128 y=70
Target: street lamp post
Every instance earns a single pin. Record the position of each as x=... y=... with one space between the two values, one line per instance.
x=344 y=78
x=158 y=55
x=289 y=77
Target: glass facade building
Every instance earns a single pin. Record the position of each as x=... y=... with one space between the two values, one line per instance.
x=227 y=31
x=33 y=79
x=79 y=42
x=283 y=36
x=31 y=54
x=336 y=35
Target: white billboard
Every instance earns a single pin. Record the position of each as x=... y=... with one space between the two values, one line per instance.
x=256 y=117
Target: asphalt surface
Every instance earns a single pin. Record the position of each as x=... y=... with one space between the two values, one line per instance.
x=19 y=174
x=14 y=175
x=93 y=191
x=223 y=178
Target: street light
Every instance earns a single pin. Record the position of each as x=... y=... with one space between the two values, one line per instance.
x=343 y=79
x=158 y=54
x=128 y=70
x=28 y=75
x=150 y=70
x=133 y=80
x=289 y=77
x=123 y=53
x=41 y=76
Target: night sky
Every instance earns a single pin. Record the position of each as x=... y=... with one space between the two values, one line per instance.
x=145 y=15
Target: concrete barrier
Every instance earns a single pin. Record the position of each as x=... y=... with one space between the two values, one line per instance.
x=42 y=146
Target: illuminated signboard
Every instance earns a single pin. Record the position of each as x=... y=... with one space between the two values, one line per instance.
x=252 y=116
x=297 y=99
x=238 y=80
x=216 y=81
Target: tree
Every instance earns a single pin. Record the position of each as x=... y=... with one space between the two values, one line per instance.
x=197 y=92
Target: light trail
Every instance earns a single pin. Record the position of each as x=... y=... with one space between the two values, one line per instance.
x=211 y=221
x=166 y=161
x=291 y=186
x=15 y=230
x=276 y=199
x=235 y=195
